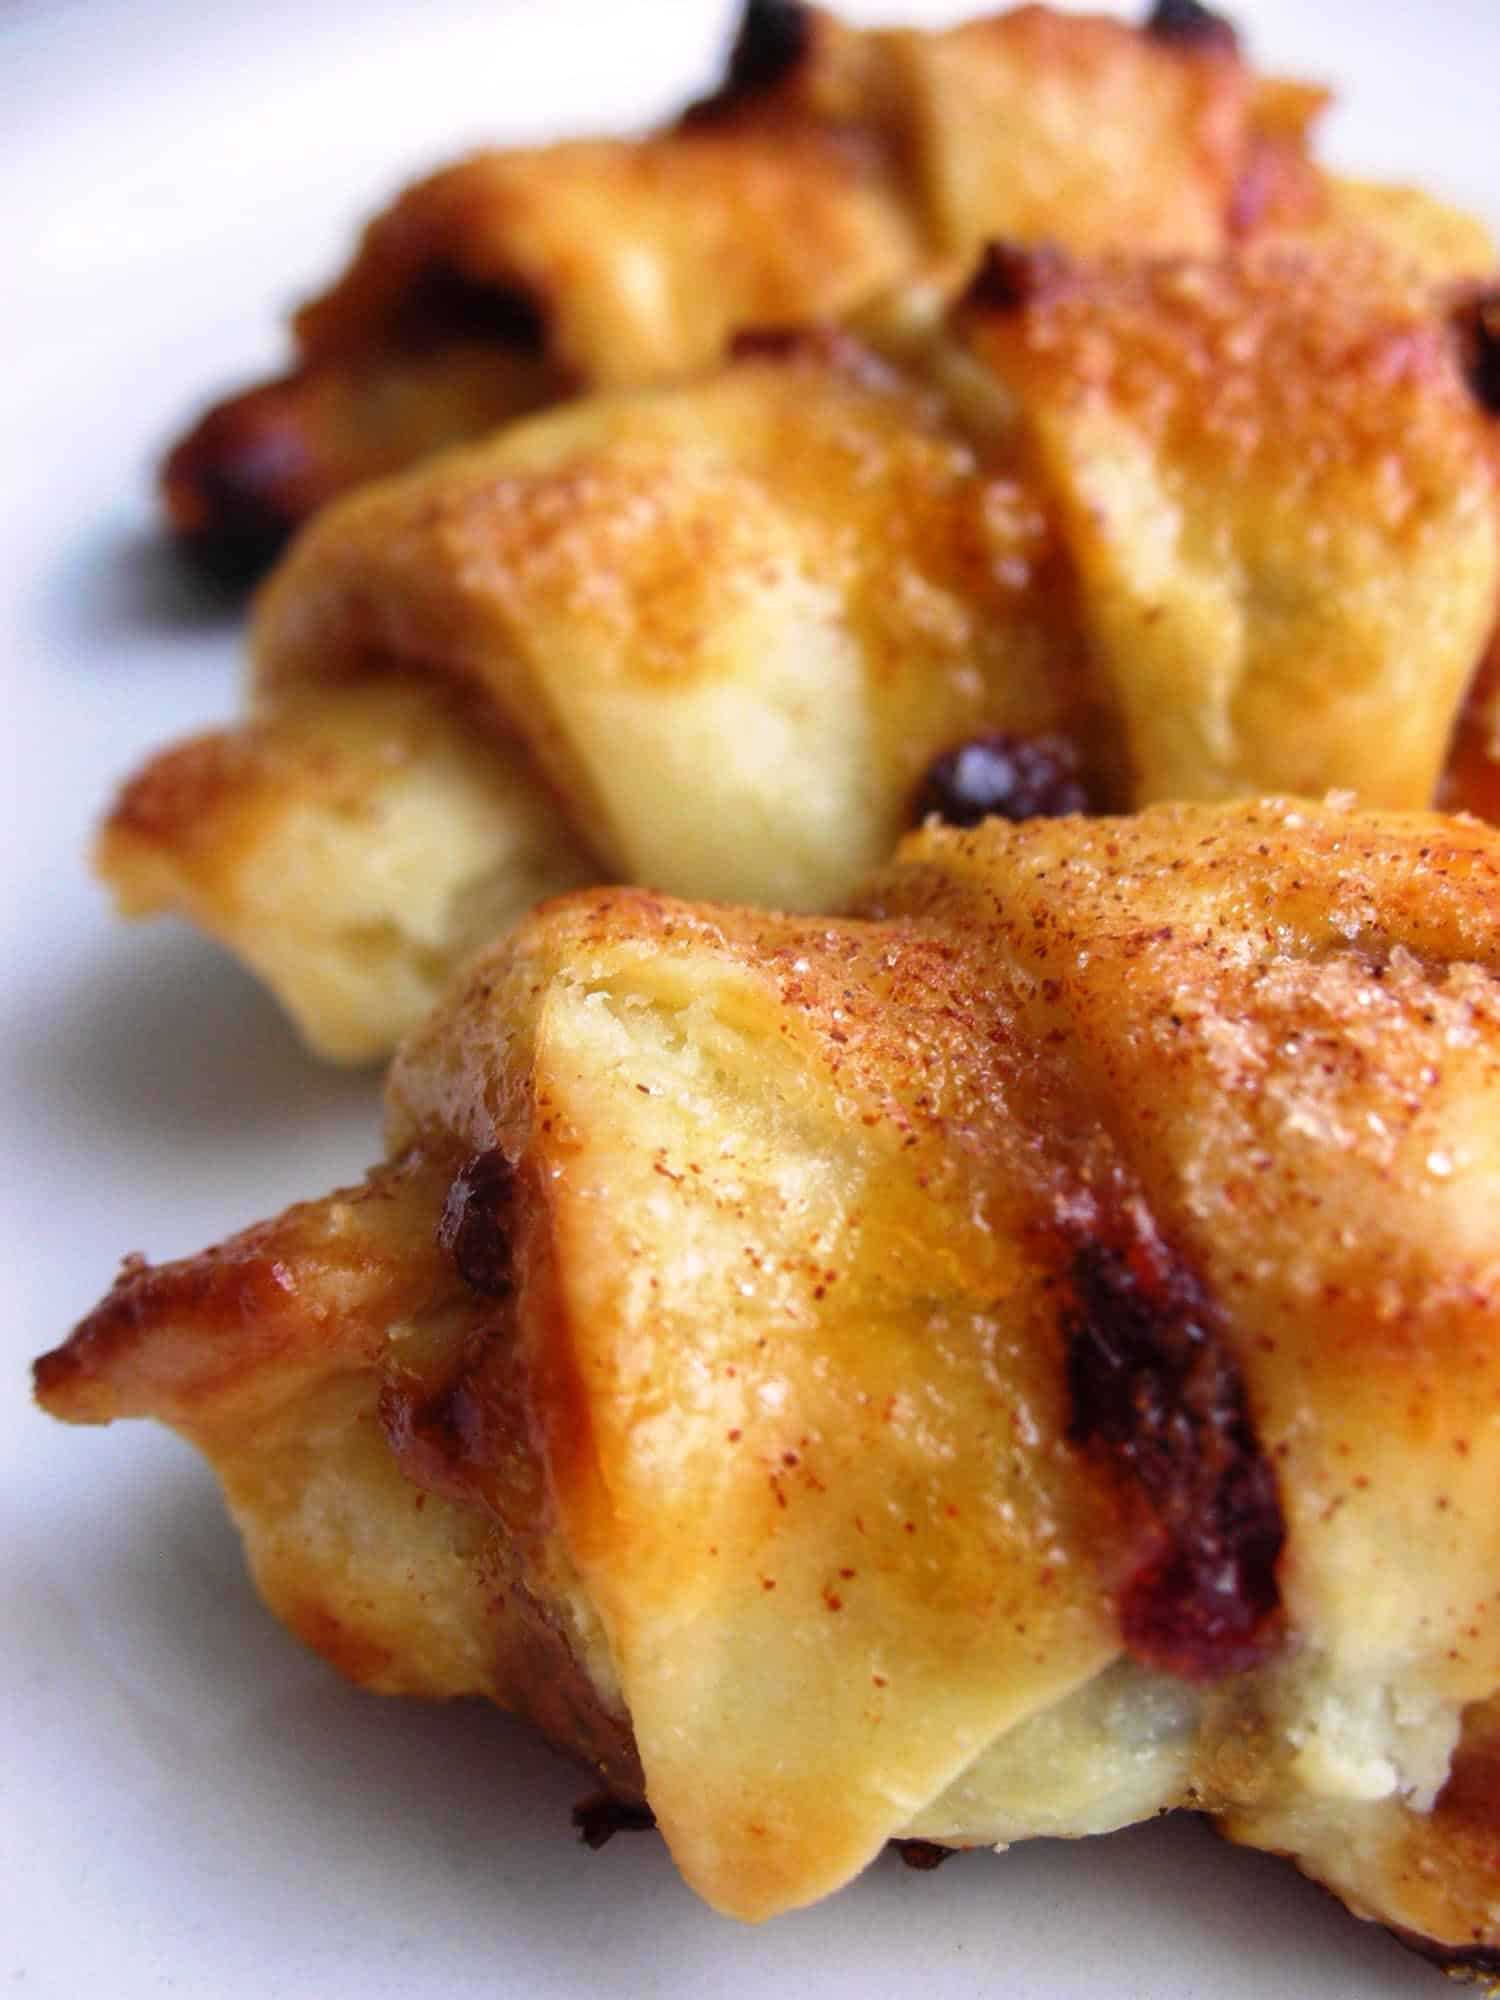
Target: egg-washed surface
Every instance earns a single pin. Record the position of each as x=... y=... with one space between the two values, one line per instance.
x=1004 y=1361
x=834 y=161
x=1222 y=525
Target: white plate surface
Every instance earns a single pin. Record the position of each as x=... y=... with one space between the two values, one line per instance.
x=188 y=1803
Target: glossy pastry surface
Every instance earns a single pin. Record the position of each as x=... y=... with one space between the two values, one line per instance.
x=1006 y=1360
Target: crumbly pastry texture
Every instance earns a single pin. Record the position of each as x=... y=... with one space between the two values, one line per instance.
x=1227 y=524
x=1008 y=1359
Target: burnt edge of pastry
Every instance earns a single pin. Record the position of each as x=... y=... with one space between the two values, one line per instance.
x=475 y=1228
x=1001 y=775
x=923 y=1856
x=1011 y=276
x=772 y=41
x=1476 y=325
x=1477 y=1964
x=602 y=1815
x=1189 y=24
x=1156 y=1395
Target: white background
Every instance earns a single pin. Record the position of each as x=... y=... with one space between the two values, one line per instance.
x=188 y=1804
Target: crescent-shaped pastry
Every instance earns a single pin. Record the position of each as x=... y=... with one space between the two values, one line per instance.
x=832 y=163
x=1224 y=525
x=1010 y=1360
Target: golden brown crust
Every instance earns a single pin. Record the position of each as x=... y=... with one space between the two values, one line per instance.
x=305 y=1357
x=898 y=1350
x=1269 y=471
x=835 y=162
x=657 y=549
x=351 y=848
x=259 y=1318
x=1072 y=128
x=1280 y=187
x=1228 y=524
x=797 y=567
x=1451 y=1866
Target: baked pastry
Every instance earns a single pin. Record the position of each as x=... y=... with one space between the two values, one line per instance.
x=1009 y=1360
x=832 y=162
x=1228 y=525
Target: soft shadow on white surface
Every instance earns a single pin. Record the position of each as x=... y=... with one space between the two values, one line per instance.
x=117 y=587
x=159 y=1038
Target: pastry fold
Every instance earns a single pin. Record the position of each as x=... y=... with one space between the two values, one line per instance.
x=833 y=162
x=1009 y=1359
x=1225 y=524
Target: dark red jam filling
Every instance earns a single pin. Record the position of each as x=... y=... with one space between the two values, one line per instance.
x=475 y=1229
x=600 y=1818
x=1156 y=1393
